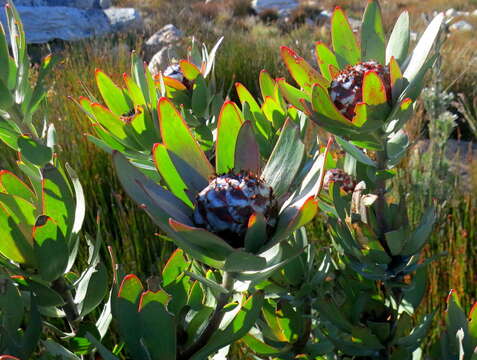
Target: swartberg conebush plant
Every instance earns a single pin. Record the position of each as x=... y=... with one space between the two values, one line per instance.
x=232 y=186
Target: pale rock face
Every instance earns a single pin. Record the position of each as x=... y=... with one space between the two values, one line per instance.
x=80 y=4
x=283 y=7
x=166 y=36
x=451 y=12
x=162 y=59
x=461 y=26
x=45 y=23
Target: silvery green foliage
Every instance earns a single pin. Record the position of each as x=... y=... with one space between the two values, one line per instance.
x=40 y=219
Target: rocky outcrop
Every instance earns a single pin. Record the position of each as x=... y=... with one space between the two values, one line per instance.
x=46 y=20
x=167 y=36
x=283 y=7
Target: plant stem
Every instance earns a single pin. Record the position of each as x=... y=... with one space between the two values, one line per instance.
x=71 y=312
x=214 y=322
x=381 y=157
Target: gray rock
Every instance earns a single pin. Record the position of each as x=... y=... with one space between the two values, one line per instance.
x=46 y=23
x=162 y=59
x=123 y=18
x=80 y=4
x=461 y=26
x=168 y=35
x=451 y=12
x=283 y=7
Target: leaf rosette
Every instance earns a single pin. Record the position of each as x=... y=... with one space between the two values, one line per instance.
x=362 y=89
x=187 y=172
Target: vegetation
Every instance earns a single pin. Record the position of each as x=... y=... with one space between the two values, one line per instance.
x=250 y=45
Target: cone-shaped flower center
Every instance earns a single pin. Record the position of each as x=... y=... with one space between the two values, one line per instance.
x=346 y=181
x=226 y=204
x=346 y=89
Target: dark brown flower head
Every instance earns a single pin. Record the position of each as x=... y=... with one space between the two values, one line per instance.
x=346 y=89
x=347 y=182
x=226 y=204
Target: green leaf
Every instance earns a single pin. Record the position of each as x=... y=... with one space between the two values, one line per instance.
x=248 y=160
x=113 y=124
x=396 y=240
x=134 y=91
x=285 y=160
x=398 y=44
x=211 y=57
x=6 y=99
x=260 y=347
x=175 y=266
x=50 y=247
x=372 y=34
x=421 y=234
x=293 y=95
x=213 y=249
x=344 y=42
x=169 y=173
x=80 y=209
x=473 y=321
x=112 y=95
x=21 y=211
x=97 y=288
x=143 y=128
x=33 y=151
x=14 y=245
x=423 y=48
x=240 y=261
x=196 y=296
x=131 y=289
x=157 y=328
x=267 y=84
x=325 y=57
x=178 y=139
x=200 y=96
x=9 y=135
x=293 y=217
x=355 y=152
x=418 y=334
x=228 y=128
x=374 y=92
x=11 y=307
x=399 y=116
x=240 y=325
x=256 y=234
x=323 y=104
x=260 y=122
x=301 y=71
x=139 y=76
x=4 y=56
x=105 y=353
x=153 y=198
x=190 y=71
x=396 y=147
x=58 y=351
x=58 y=200
x=274 y=112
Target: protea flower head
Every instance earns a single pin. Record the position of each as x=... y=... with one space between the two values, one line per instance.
x=225 y=206
x=364 y=86
x=347 y=182
x=239 y=220
x=346 y=89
